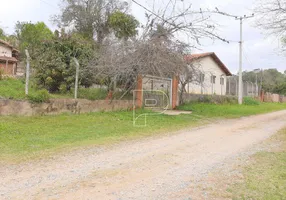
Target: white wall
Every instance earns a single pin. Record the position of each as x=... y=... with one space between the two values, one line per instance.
x=209 y=67
x=5 y=51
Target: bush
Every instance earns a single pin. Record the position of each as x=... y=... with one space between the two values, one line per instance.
x=92 y=93
x=39 y=97
x=1 y=74
x=216 y=99
x=250 y=101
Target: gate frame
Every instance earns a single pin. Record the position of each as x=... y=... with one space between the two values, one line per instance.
x=173 y=90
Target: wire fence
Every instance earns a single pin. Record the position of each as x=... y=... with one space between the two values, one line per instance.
x=249 y=89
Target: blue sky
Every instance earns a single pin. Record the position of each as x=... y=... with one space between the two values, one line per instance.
x=260 y=51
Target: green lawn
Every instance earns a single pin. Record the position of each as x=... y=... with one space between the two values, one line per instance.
x=231 y=110
x=27 y=137
x=265 y=177
x=15 y=89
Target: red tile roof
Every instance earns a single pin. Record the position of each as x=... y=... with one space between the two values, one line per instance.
x=9 y=59
x=194 y=57
x=5 y=43
x=8 y=45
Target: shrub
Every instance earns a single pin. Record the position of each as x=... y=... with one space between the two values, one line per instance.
x=250 y=101
x=39 y=97
x=92 y=93
x=1 y=74
x=205 y=99
x=216 y=99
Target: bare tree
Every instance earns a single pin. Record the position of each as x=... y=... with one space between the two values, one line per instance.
x=271 y=16
x=160 y=48
x=192 y=74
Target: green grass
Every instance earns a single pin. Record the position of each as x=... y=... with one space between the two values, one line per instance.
x=265 y=177
x=231 y=110
x=15 y=89
x=27 y=137
x=11 y=88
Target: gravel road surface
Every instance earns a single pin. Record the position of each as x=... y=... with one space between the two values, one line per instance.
x=153 y=168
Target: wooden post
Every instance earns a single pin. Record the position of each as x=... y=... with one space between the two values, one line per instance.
x=139 y=92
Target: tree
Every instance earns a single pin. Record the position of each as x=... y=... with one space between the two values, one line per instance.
x=97 y=18
x=272 y=79
x=280 y=89
x=2 y=34
x=160 y=48
x=271 y=16
x=31 y=36
x=123 y=25
x=54 y=68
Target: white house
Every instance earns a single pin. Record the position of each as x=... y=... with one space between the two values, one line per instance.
x=213 y=74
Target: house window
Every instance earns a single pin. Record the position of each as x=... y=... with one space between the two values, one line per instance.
x=202 y=78
x=213 y=79
x=222 y=81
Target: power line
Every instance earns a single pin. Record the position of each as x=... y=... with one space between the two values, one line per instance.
x=150 y=11
x=174 y=25
x=48 y=4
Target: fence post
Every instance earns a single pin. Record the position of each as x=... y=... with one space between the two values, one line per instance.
x=229 y=79
x=76 y=78
x=27 y=73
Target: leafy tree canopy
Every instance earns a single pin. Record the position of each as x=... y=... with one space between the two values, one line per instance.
x=272 y=80
x=31 y=36
x=55 y=69
x=124 y=25
x=2 y=34
x=98 y=18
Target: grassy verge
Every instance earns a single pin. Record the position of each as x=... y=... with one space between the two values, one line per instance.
x=27 y=137
x=265 y=177
x=231 y=110
x=15 y=89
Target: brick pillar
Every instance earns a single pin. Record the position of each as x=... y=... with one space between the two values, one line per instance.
x=262 y=93
x=139 y=92
x=175 y=85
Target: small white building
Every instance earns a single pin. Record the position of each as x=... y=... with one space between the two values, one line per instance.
x=213 y=74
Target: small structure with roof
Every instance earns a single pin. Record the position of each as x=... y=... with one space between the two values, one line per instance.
x=8 y=59
x=213 y=74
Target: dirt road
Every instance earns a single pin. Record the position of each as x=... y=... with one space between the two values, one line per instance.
x=157 y=168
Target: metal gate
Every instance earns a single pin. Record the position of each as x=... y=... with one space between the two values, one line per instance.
x=157 y=92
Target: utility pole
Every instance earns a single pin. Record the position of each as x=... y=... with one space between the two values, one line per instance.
x=240 y=18
x=261 y=83
x=256 y=71
x=240 y=66
x=27 y=72
x=240 y=86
